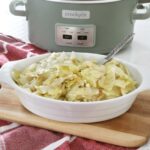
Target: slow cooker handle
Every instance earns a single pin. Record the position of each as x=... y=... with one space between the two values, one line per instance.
x=13 y=8
x=141 y=12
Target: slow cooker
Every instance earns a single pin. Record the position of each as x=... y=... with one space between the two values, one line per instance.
x=94 y=26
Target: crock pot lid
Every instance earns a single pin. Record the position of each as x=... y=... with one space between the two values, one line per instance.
x=84 y=1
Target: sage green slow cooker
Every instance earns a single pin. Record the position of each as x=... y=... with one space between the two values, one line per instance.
x=94 y=26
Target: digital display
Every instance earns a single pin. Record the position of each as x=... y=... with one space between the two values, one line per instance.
x=82 y=37
x=67 y=36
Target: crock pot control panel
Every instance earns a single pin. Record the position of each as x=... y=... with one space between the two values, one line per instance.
x=75 y=35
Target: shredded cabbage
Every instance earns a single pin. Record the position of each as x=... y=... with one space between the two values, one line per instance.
x=67 y=77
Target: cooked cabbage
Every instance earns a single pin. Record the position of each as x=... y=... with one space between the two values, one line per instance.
x=67 y=77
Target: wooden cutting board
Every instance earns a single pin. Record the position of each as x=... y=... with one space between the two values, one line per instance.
x=130 y=130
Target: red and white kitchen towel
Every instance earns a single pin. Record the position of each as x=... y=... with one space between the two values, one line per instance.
x=14 y=136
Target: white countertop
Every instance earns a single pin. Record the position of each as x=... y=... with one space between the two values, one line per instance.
x=138 y=52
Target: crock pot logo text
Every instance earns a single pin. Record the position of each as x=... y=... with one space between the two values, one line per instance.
x=75 y=14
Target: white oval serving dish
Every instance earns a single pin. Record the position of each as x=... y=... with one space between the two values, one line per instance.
x=77 y=112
